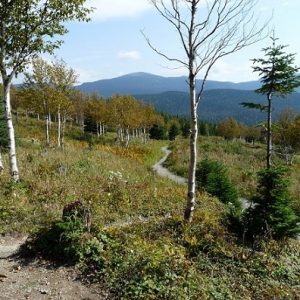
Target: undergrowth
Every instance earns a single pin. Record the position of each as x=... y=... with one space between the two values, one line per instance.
x=169 y=259
x=138 y=247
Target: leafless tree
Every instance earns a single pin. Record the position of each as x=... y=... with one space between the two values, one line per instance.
x=208 y=30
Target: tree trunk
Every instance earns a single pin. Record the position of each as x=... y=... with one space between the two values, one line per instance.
x=127 y=137
x=98 y=129
x=11 y=132
x=145 y=135
x=82 y=124
x=47 y=129
x=121 y=135
x=62 y=137
x=269 y=133
x=191 y=197
x=1 y=164
x=58 y=129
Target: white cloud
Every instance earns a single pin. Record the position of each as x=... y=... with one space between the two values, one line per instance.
x=224 y=71
x=131 y=55
x=87 y=75
x=106 y=9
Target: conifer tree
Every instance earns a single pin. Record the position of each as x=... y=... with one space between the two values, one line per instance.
x=271 y=214
x=279 y=78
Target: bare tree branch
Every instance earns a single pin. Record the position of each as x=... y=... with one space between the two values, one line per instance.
x=207 y=35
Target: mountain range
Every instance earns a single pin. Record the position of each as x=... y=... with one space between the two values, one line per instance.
x=170 y=95
x=145 y=83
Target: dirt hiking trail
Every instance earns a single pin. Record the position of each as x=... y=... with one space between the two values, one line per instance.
x=38 y=280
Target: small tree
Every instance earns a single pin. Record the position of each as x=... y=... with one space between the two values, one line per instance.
x=158 y=132
x=287 y=136
x=173 y=131
x=279 y=78
x=229 y=129
x=36 y=91
x=213 y=178
x=207 y=32
x=271 y=214
x=61 y=80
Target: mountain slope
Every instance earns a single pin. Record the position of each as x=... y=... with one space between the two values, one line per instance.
x=219 y=104
x=145 y=83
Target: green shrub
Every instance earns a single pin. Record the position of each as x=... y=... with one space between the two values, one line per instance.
x=212 y=177
x=173 y=132
x=60 y=242
x=271 y=214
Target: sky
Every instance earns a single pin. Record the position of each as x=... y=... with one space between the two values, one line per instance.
x=111 y=44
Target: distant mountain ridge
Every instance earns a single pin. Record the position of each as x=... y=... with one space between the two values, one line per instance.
x=219 y=104
x=145 y=83
x=170 y=95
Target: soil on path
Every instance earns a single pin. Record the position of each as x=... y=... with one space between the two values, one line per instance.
x=38 y=280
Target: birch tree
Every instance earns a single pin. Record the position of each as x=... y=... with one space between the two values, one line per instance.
x=207 y=32
x=61 y=80
x=36 y=88
x=27 y=28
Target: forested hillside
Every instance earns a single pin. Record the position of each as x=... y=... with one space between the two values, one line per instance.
x=219 y=104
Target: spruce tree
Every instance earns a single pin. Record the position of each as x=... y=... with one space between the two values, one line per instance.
x=278 y=78
x=271 y=214
x=212 y=176
x=173 y=132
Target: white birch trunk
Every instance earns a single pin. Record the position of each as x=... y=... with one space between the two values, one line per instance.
x=191 y=197
x=121 y=135
x=98 y=129
x=1 y=164
x=82 y=124
x=14 y=171
x=127 y=137
x=47 y=130
x=58 y=129
x=145 y=136
x=62 y=137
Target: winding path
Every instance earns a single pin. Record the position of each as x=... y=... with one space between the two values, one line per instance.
x=164 y=172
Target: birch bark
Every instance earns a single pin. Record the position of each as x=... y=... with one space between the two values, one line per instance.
x=11 y=132
x=1 y=163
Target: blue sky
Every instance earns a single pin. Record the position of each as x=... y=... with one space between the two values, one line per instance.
x=112 y=44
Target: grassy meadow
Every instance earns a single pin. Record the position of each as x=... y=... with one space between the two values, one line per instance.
x=162 y=258
x=243 y=161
